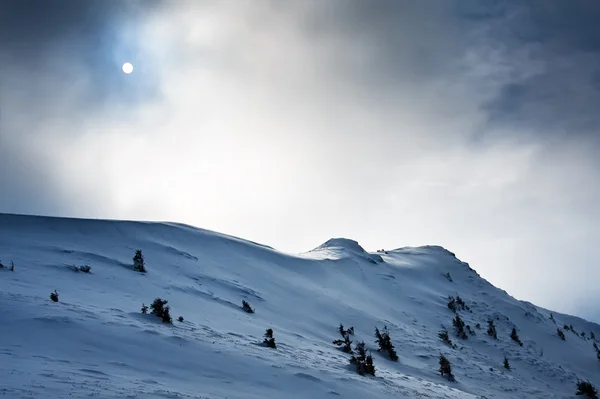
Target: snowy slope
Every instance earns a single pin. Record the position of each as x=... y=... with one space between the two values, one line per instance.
x=96 y=342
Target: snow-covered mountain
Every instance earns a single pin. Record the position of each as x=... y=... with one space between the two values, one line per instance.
x=96 y=342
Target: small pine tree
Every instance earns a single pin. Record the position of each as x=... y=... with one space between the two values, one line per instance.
x=12 y=266
x=506 y=363
x=446 y=368
x=561 y=334
x=180 y=319
x=552 y=317
x=246 y=306
x=592 y=335
x=159 y=309
x=362 y=361
x=350 y=331
x=452 y=304
x=448 y=276
x=138 y=262
x=385 y=343
x=470 y=330
x=345 y=341
x=478 y=326
x=491 y=331
x=144 y=309
x=1 y=265
x=586 y=388
x=54 y=296
x=515 y=337
x=269 y=339
x=459 y=325
x=166 y=317
x=347 y=344
x=443 y=335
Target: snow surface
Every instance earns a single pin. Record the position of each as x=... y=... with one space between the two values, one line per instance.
x=96 y=342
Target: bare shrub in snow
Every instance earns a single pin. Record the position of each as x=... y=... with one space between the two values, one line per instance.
x=138 y=262
x=54 y=296
x=269 y=339
x=592 y=335
x=561 y=334
x=144 y=309
x=83 y=268
x=246 y=307
x=447 y=275
x=552 y=318
x=385 y=343
x=362 y=361
x=597 y=351
x=12 y=266
x=446 y=368
x=586 y=388
x=515 y=337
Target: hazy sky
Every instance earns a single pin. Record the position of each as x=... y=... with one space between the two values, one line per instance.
x=469 y=124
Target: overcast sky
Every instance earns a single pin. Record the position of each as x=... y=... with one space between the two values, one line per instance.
x=468 y=124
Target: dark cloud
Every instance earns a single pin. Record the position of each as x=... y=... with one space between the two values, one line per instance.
x=469 y=124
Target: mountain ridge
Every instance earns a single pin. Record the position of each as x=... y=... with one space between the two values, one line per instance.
x=97 y=327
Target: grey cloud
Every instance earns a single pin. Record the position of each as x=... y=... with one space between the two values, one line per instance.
x=390 y=122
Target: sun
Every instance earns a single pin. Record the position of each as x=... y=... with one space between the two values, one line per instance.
x=127 y=68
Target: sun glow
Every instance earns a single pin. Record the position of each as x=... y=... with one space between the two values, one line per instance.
x=127 y=68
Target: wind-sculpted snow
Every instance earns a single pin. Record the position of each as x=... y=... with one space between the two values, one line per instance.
x=96 y=342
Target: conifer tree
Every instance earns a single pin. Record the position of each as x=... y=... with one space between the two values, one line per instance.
x=459 y=325
x=144 y=309
x=385 y=343
x=452 y=304
x=269 y=339
x=506 y=363
x=246 y=306
x=362 y=361
x=138 y=262
x=561 y=334
x=346 y=342
x=491 y=331
x=54 y=296
x=446 y=368
x=586 y=388
x=515 y=337
x=159 y=309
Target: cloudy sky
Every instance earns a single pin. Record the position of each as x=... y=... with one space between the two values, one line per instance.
x=469 y=124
